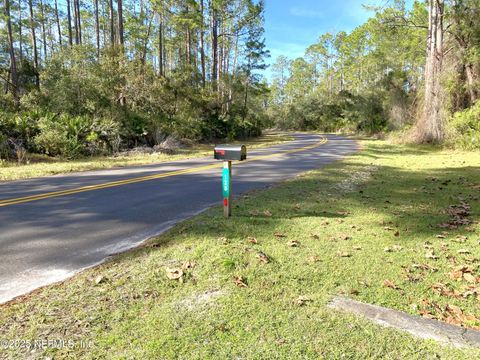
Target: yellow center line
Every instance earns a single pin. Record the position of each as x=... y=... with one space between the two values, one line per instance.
x=13 y=201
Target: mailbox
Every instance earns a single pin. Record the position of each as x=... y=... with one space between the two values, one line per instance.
x=230 y=152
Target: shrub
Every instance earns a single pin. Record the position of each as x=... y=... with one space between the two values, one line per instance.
x=75 y=136
x=465 y=128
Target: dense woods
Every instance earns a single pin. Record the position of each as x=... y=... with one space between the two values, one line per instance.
x=87 y=77
x=415 y=69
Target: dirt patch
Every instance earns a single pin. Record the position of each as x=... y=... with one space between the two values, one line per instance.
x=201 y=299
x=355 y=179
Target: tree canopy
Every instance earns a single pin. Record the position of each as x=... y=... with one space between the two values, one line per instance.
x=82 y=77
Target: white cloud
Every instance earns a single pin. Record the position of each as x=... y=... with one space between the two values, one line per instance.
x=307 y=13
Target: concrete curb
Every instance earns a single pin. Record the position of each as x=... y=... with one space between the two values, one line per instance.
x=415 y=325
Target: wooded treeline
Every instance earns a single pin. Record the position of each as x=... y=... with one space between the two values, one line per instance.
x=415 y=68
x=91 y=76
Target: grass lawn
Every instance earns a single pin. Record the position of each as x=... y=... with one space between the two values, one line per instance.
x=395 y=226
x=41 y=165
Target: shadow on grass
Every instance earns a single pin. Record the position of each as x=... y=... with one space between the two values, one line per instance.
x=412 y=201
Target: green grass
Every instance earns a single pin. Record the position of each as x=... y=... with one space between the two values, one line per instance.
x=354 y=207
x=42 y=165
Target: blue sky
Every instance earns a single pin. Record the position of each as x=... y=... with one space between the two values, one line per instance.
x=292 y=25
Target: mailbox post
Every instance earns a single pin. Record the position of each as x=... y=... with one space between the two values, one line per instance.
x=228 y=153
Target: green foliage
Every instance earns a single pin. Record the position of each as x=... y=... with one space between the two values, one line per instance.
x=97 y=97
x=364 y=80
x=75 y=136
x=342 y=112
x=465 y=126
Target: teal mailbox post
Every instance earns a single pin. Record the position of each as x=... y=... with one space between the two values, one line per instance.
x=228 y=153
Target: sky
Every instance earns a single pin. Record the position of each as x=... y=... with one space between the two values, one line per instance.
x=293 y=25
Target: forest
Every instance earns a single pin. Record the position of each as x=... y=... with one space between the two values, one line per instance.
x=412 y=72
x=94 y=77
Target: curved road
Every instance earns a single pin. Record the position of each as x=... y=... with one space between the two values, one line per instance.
x=54 y=226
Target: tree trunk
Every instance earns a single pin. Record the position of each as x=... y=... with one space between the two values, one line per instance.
x=160 y=46
x=20 y=28
x=112 y=23
x=69 y=23
x=97 y=28
x=11 y=50
x=34 y=44
x=59 y=29
x=79 y=22
x=471 y=82
x=120 y=22
x=431 y=126
x=202 y=41
x=220 y=60
x=44 y=36
x=245 y=99
x=145 y=43
x=214 y=26
x=75 y=22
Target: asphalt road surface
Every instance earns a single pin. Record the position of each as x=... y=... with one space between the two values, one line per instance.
x=54 y=226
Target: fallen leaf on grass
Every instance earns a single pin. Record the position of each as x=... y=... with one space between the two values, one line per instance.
x=302 y=300
x=460 y=239
x=223 y=239
x=413 y=278
x=425 y=267
x=280 y=235
x=240 y=281
x=263 y=257
x=357 y=248
x=99 y=279
x=451 y=314
x=364 y=283
x=293 y=243
x=393 y=248
x=174 y=274
x=427 y=314
x=187 y=265
x=471 y=290
x=252 y=240
x=315 y=236
x=444 y=290
x=452 y=309
x=267 y=213
x=463 y=251
x=469 y=278
x=313 y=259
x=343 y=254
x=390 y=284
x=431 y=255
x=458 y=216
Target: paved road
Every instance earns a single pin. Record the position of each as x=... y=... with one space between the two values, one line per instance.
x=58 y=225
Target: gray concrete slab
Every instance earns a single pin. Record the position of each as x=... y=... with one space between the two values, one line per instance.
x=415 y=325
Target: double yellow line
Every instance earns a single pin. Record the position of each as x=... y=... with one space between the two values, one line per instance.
x=20 y=200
